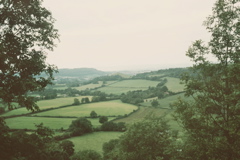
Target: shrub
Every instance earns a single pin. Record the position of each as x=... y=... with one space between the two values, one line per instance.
x=80 y=126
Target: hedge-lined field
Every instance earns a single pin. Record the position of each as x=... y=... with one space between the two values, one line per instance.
x=128 y=85
x=46 y=104
x=94 y=141
x=107 y=108
x=53 y=123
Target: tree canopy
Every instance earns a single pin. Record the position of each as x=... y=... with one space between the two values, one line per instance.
x=27 y=31
x=212 y=120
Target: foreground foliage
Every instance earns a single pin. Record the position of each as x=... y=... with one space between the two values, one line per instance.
x=150 y=139
x=26 y=32
x=212 y=120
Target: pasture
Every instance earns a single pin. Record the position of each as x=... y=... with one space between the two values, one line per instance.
x=29 y=122
x=128 y=85
x=107 y=108
x=53 y=123
x=173 y=84
x=46 y=104
x=94 y=141
x=164 y=103
x=89 y=86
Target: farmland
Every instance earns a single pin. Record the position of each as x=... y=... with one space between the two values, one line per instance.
x=46 y=104
x=128 y=85
x=59 y=113
x=109 y=108
x=94 y=141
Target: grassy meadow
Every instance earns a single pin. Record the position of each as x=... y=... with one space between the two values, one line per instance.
x=128 y=85
x=174 y=85
x=94 y=141
x=46 y=104
x=53 y=123
x=107 y=108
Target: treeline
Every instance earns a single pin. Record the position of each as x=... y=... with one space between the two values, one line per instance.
x=136 y=97
x=157 y=75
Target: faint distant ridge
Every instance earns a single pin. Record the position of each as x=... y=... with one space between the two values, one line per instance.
x=84 y=73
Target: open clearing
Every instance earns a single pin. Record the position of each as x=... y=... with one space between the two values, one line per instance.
x=107 y=108
x=94 y=141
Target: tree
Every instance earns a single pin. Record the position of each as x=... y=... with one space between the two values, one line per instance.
x=212 y=119
x=86 y=155
x=67 y=147
x=155 y=103
x=103 y=119
x=146 y=140
x=93 y=114
x=76 y=101
x=27 y=31
x=2 y=110
x=80 y=126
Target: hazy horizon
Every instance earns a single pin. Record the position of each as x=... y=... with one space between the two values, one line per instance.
x=126 y=35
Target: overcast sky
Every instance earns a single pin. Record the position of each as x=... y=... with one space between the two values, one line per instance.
x=126 y=34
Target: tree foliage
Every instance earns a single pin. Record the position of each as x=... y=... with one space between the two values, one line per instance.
x=80 y=126
x=212 y=120
x=86 y=155
x=93 y=114
x=27 y=31
x=103 y=119
x=147 y=140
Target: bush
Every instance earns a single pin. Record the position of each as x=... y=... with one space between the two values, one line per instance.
x=80 y=126
x=111 y=126
x=103 y=119
x=86 y=155
x=93 y=114
x=2 y=110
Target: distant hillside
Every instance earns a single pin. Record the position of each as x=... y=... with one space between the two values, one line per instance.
x=82 y=73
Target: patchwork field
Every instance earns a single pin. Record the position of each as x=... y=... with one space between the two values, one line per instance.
x=164 y=103
x=89 y=86
x=94 y=141
x=128 y=85
x=108 y=108
x=46 y=104
x=53 y=123
x=29 y=122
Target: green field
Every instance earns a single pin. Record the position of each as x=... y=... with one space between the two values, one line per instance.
x=94 y=141
x=28 y=122
x=53 y=123
x=108 y=108
x=128 y=85
x=164 y=103
x=89 y=86
x=173 y=84
x=46 y=104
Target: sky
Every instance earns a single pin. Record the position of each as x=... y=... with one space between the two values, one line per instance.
x=126 y=34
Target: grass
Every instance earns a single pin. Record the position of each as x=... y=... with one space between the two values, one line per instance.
x=94 y=141
x=53 y=123
x=46 y=104
x=108 y=108
x=89 y=86
x=163 y=110
x=173 y=84
x=164 y=103
x=29 y=122
x=128 y=85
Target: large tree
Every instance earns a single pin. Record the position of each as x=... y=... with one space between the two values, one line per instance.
x=212 y=119
x=26 y=32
